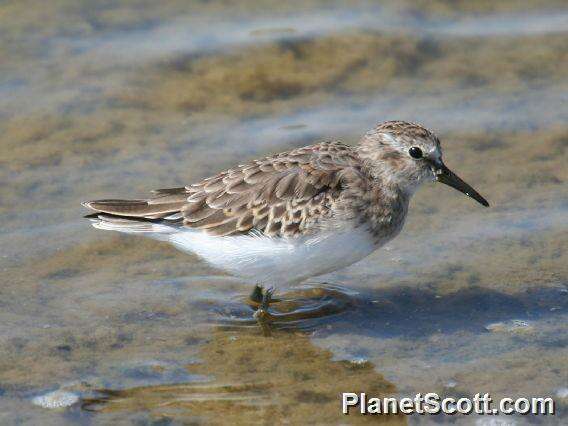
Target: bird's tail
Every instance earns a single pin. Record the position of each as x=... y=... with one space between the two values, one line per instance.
x=156 y=217
x=152 y=229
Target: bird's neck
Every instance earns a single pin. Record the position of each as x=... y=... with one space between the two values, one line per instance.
x=386 y=209
x=382 y=202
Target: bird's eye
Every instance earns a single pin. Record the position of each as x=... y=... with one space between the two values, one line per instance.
x=415 y=152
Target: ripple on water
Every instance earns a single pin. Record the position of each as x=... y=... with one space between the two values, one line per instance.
x=421 y=321
x=305 y=308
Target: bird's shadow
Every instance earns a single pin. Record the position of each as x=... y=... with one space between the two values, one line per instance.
x=419 y=312
x=412 y=311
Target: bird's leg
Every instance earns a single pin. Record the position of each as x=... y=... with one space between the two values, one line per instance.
x=256 y=295
x=261 y=315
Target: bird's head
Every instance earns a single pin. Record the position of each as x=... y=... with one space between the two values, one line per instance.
x=406 y=155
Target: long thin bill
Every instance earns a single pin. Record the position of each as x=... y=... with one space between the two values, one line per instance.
x=445 y=175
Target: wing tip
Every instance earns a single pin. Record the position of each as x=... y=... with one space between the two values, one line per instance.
x=117 y=207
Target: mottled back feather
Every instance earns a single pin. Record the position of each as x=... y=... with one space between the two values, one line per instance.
x=279 y=195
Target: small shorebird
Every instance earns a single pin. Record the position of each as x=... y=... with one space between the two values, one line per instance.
x=295 y=215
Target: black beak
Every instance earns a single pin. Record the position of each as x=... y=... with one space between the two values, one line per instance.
x=445 y=175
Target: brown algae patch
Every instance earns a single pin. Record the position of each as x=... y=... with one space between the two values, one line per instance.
x=292 y=73
x=284 y=378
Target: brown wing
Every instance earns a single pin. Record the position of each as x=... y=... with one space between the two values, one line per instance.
x=277 y=196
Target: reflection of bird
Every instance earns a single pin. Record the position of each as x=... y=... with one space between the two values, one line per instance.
x=294 y=215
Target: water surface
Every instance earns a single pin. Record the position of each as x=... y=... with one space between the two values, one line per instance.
x=117 y=99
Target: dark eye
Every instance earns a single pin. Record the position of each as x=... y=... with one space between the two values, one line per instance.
x=415 y=152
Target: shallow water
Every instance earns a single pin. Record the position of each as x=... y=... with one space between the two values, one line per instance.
x=116 y=99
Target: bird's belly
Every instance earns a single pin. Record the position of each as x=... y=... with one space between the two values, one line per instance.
x=276 y=260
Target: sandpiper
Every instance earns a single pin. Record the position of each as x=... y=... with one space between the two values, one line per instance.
x=294 y=215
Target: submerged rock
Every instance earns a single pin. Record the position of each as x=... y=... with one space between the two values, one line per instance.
x=512 y=326
x=56 y=399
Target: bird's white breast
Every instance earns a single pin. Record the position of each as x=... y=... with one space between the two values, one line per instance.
x=277 y=261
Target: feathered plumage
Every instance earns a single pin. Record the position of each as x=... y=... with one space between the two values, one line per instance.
x=296 y=214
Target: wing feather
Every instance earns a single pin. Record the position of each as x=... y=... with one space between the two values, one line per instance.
x=277 y=196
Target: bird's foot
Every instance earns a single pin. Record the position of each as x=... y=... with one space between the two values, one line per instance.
x=257 y=296
x=261 y=315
